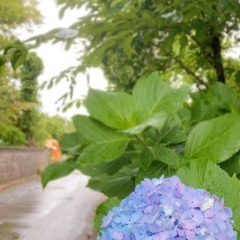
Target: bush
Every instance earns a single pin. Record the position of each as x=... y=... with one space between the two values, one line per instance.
x=11 y=136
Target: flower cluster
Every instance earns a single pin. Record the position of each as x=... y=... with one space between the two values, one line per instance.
x=161 y=209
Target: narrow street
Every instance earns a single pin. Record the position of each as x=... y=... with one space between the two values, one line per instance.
x=62 y=211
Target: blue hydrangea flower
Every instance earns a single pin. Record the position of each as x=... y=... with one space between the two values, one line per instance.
x=166 y=209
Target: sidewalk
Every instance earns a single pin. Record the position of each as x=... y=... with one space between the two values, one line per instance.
x=63 y=211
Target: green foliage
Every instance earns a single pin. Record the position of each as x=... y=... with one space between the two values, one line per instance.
x=30 y=70
x=119 y=184
x=103 y=209
x=163 y=97
x=232 y=165
x=216 y=139
x=71 y=141
x=11 y=136
x=180 y=39
x=11 y=105
x=16 y=52
x=165 y=138
x=154 y=171
x=106 y=144
x=14 y=13
x=48 y=127
x=57 y=170
x=120 y=110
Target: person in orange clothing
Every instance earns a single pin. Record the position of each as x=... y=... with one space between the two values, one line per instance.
x=56 y=154
x=55 y=147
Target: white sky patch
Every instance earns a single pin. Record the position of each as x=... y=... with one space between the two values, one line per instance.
x=56 y=59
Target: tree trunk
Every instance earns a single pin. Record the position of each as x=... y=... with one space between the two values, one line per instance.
x=217 y=59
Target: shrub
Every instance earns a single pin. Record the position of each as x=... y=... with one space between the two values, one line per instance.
x=12 y=136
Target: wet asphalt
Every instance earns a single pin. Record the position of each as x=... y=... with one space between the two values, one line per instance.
x=64 y=210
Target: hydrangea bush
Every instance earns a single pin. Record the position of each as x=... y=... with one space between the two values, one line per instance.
x=162 y=209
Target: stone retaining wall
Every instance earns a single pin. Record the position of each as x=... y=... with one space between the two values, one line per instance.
x=21 y=162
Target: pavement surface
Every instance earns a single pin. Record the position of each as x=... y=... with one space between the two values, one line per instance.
x=62 y=211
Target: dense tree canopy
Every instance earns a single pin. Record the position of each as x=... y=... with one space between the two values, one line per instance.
x=181 y=39
x=20 y=115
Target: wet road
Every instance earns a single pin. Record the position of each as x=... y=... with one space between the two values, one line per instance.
x=63 y=211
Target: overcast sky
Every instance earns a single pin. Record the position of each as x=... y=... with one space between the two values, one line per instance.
x=56 y=59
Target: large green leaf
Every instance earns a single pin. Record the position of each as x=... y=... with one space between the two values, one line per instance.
x=103 y=209
x=57 y=170
x=72 y=140
x=119 y=184
x=226 y=95
x=202 y=112
x=106 y=145
x=116 y=110
x=155 y=120
x=216 y=139
x=155 y=95
x=209 y=176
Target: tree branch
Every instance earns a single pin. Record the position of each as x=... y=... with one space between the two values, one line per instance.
x=206 y=55
x=190 y=72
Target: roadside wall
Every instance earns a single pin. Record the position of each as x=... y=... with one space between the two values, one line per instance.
x=21 y=162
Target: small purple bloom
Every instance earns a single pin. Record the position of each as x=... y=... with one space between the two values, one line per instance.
x=166 y=209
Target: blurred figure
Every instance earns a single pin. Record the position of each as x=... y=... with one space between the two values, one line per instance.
x=55 y=147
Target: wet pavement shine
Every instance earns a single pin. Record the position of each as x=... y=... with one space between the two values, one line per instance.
x=64 y=210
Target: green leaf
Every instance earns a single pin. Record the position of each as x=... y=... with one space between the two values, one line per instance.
x=102 y=211
x=108 y=168
x=120 y=184
x=127 y=46
x=209 y=176
x=155 y=120
x=225 y=94
x=2 y=61
x=17 y=58
x=106 y=145
x=57 y=170
x=18 y=53
x=216 y=139
x=156 y=170
x=116 y=110
x=171 y=133
x=146 y=158
x=232 y=165
x=166 y=155
x=72 y=140
x=155 y=95
x=183 y=41
x=62 y=11
x=202 y=112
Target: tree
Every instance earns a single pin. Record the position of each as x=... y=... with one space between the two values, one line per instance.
x=180 y=39
x=17 y=13
x=30 y=70
x=14 y=14
x=11 y=104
